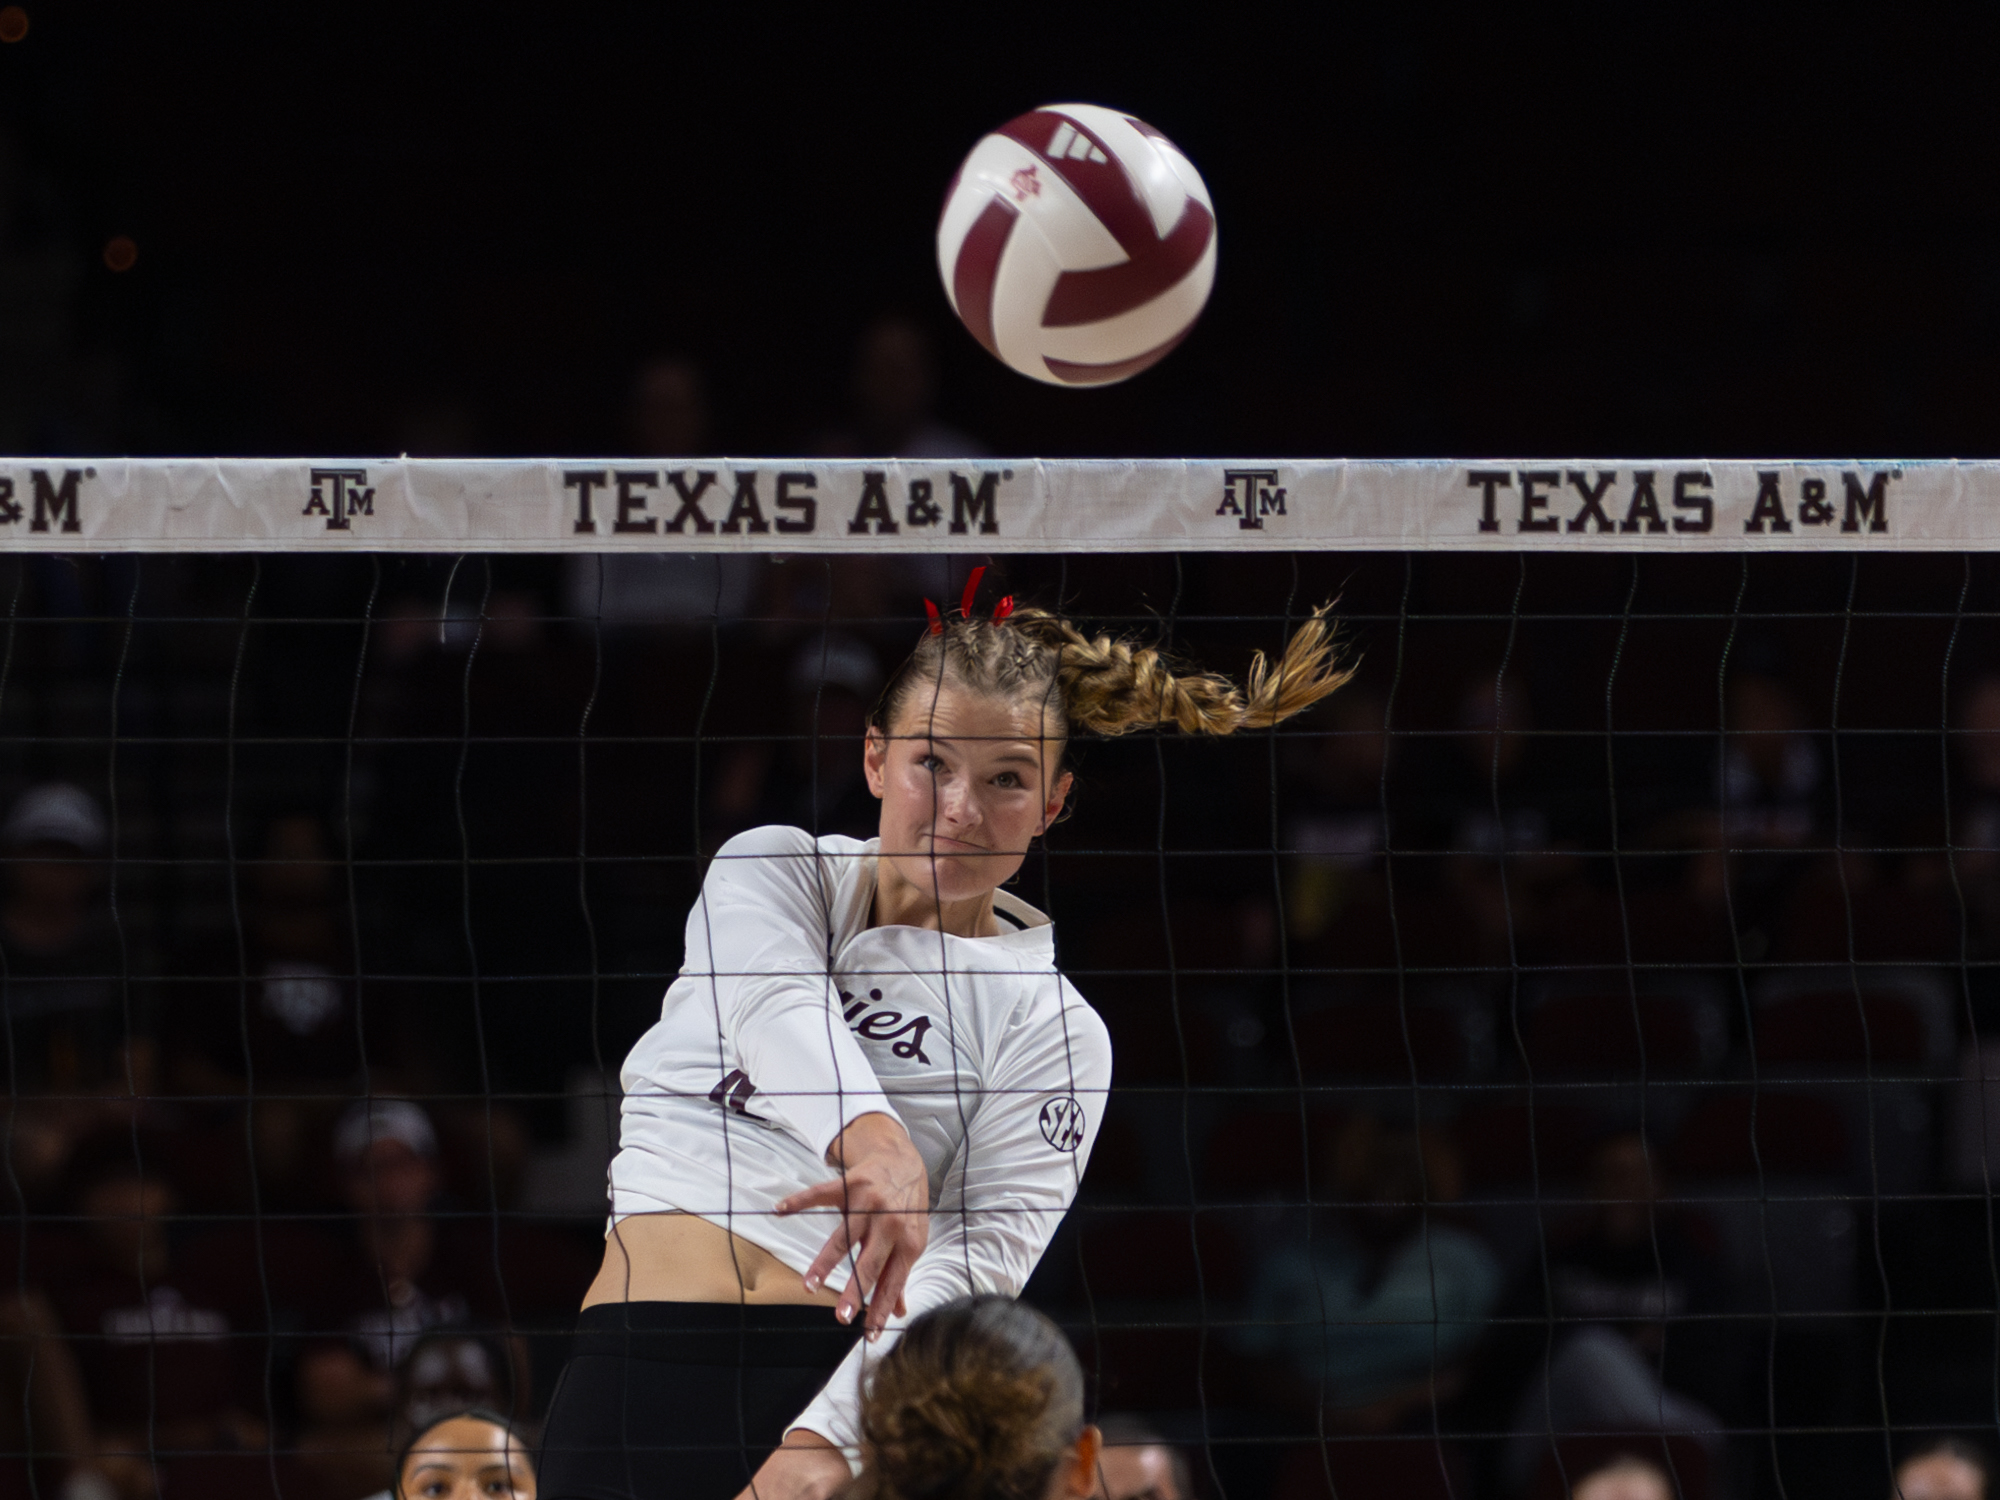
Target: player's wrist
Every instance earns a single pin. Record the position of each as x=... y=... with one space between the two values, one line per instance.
x=806 y=1466
x=868 y=1135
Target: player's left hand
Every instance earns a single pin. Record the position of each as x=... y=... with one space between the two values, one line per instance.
x=883 y=1195
x=806 y=1467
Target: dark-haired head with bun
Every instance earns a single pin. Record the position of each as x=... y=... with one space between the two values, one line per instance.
x=981 y=1399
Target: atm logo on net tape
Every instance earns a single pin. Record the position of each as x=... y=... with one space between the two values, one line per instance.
x=1251 y=495
x=340 y=495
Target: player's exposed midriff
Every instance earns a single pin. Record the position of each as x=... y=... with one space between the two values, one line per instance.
x=682 y=1258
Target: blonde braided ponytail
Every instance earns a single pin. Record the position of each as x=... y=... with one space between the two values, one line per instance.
x=1112 y=686
x=1104 y=684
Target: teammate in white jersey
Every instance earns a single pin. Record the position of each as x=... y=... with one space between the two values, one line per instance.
x=885 y=1012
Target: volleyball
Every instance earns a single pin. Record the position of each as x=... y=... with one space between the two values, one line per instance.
x=1077 y=244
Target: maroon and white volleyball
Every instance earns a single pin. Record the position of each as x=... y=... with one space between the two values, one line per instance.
x=1077 y=244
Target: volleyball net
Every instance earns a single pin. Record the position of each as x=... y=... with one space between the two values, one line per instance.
x=1570 y=1040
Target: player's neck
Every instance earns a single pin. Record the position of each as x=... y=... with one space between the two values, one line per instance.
x=898 y=903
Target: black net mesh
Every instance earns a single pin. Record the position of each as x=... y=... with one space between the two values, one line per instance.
x=1567 y=1041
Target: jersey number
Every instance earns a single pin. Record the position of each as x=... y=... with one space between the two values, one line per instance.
x=733 y=1094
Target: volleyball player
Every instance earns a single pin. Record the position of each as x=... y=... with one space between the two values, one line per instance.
x=869 y=1091
x=981 y=1397
x=468 y=1455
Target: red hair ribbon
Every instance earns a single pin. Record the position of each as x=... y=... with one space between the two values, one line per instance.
x=971 y=591
x=1000 y=611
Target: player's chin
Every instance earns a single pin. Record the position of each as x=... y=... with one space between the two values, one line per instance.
x=965 y=875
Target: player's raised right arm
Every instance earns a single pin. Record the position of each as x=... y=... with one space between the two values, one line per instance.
x=761 y=936
x=758 y=943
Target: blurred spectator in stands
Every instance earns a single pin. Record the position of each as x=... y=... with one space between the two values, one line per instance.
x=1975 y=808
x=282 y=1010
x=1378 y=1313
x=892 y=394
x=1333 y=808
x=1773 y=766
x=1973 y=867
x=1978 y=747
x=878 y=598
x=1505 y=804
x=453 y=1371
x=1773 y=784
x=1494 y=744
x=813 y=778
x=1631 y=1291
x=61 y=977
x=457 y=724
x=1626 y=1477
x=165 y=1336
x=1885 y=895
x=1948 y=1468
x=384 y=1289
x=61 y=985
x=267 y=1010
x=669 y=416
x=1136 y=1463
x=389 y=1287
x=1761 y=803
x=402 y=1270
x=46 y=1442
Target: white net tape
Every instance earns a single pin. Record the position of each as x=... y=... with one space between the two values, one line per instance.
x=987 y=505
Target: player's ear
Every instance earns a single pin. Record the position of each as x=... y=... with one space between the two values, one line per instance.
x=875 y=760
x=1058 y=794
x=1081 y=1478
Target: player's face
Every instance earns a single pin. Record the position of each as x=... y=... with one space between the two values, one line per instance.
x=1939 y=1477
x=1128 y=1472
x=967 y=782
x=1626 y=1482
x=466 y=1459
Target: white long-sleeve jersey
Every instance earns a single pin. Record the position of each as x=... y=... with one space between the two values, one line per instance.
x=792 y=1017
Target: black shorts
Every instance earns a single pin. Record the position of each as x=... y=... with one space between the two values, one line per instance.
x=681 y=1400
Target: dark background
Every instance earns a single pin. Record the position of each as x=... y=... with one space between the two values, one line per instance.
x=1650 y=230
x=1645 y=229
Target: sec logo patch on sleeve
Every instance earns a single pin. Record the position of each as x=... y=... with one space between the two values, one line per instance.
x=1062 y=1124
